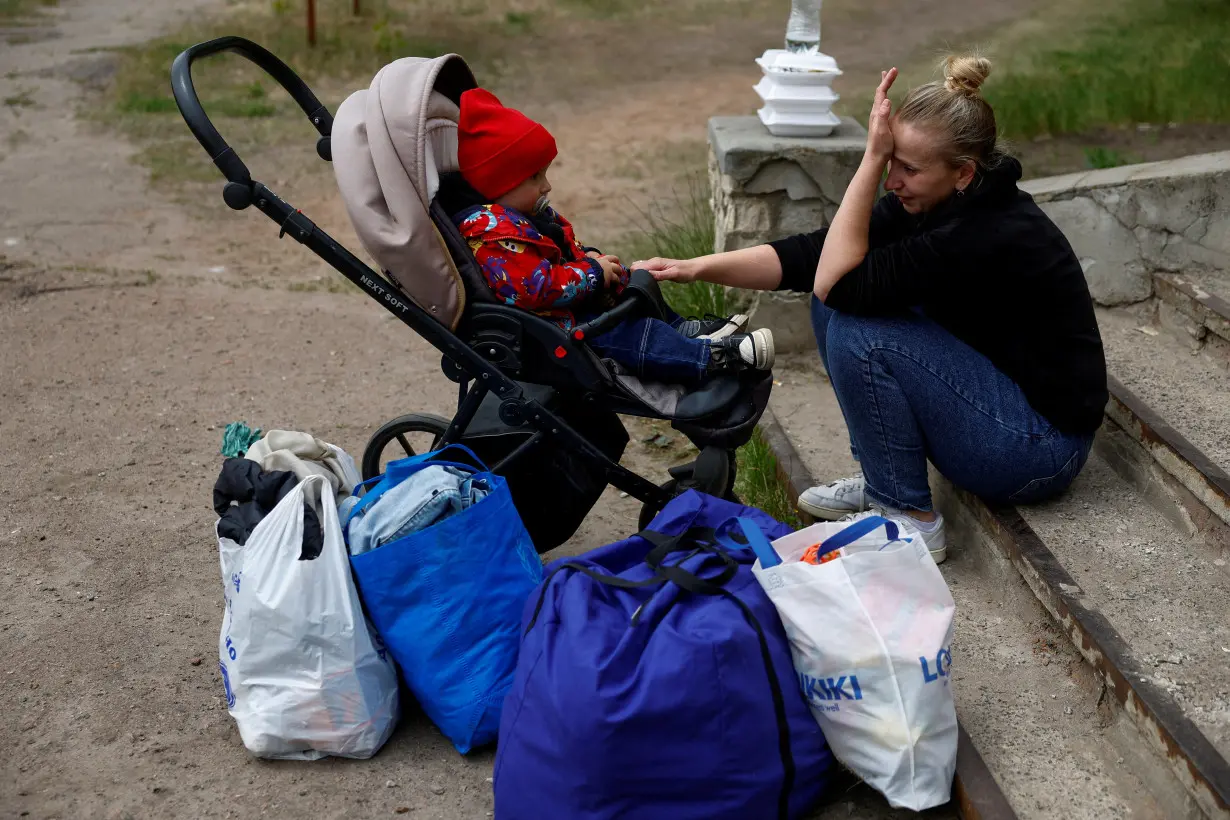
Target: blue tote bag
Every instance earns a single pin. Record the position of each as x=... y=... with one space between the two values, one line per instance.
x=447 y=601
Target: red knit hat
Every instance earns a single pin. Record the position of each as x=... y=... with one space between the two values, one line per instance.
x=498 y=148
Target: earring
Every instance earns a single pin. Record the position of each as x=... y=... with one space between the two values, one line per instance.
x=960 y=192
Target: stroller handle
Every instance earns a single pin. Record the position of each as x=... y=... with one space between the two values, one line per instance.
x=193 y=112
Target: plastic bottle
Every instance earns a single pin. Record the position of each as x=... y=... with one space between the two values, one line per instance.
x=803 y=28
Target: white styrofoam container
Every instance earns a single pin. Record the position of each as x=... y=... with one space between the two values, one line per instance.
x=798 y=69
x=793 y=124
x=810 y=96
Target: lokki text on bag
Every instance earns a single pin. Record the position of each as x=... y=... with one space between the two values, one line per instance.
x=943 y=662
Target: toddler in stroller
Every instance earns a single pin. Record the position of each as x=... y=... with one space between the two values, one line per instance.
x=530 y=257
x=537 y=402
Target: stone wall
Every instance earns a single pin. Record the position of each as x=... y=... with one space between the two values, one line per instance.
x=1127 y=223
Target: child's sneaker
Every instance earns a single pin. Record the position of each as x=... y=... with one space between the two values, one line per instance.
x=835 y=500
x=743 y=351
x=712 y=327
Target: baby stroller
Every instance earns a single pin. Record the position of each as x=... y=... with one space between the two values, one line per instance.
x=536 y=403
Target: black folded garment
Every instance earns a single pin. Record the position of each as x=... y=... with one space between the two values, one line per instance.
x=244 y=494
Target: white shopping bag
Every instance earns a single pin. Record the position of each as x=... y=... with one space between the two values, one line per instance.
x=870 y=634
x=305 y=675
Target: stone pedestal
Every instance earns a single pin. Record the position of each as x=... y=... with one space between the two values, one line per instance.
x=766 y=187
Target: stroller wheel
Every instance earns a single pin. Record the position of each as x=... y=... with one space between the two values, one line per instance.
x=404 y=436
x=713 y=466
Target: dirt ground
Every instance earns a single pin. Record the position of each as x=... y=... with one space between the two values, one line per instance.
x=133 y=327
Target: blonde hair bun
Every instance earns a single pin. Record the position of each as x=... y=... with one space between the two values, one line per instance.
x=964 y=75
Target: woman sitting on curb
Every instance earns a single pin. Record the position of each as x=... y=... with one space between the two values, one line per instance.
x=952 y=316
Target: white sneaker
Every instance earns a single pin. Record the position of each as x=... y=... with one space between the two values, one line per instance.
x=909 y=526
x=933 y=534
x=756 y=349
x=835 y=500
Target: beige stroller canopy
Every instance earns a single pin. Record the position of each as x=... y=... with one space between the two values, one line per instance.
x=390 y=144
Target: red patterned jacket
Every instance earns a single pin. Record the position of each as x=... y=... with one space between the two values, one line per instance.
x=526 y=269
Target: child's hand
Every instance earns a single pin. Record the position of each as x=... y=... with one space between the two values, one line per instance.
x=610 y=257
x=613 y=273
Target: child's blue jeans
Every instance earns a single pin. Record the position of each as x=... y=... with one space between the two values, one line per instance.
x=653 y=350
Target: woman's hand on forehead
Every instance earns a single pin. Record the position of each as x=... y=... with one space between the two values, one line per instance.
x=879 y=130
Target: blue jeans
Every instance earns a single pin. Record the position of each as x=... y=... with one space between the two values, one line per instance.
x=653 y=350
x=428 y=496
x=911 y=391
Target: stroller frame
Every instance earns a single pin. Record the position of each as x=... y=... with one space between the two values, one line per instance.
x=462 y=363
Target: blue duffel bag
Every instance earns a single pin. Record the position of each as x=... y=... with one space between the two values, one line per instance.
x=655 y=681
x=447 y=600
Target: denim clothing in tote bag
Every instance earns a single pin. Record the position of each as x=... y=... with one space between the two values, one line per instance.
x=655 y=682
x=911 y=391
x=427 y=496
x=447 y=601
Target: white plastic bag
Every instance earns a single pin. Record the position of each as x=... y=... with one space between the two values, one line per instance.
x=305 y=676
x=870 y=634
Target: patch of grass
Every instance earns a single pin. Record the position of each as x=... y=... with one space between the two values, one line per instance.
x=136 y=103
x=1100 y=157
x=1148 y=61
x=22 y=99
x=758 y=485
x=696 y=299
x=242 y=108
x=681 y=230
x=18 y=12
x=603 y=8
x=220 y=107
x=519 y=21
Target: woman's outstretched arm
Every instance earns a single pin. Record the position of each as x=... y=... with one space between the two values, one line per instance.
x=756 y=268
